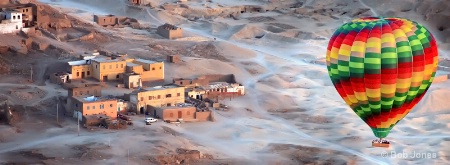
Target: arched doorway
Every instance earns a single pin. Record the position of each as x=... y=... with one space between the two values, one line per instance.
x=141 y=110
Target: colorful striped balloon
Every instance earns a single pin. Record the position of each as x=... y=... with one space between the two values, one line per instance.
x=382 y=67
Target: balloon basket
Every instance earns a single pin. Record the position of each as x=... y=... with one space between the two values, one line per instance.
x=383 y=145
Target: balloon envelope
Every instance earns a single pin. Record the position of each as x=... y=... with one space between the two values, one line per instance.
x=382 y=67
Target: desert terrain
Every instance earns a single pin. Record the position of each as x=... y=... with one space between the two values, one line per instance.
x=291 y=113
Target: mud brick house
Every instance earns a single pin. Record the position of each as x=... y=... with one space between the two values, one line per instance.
x=104 y=68
x=80 y=69
x=252 y=9
x=184 y=111
x=108 y=69
x=174 y=58
x=170 y=31
x=158 y=96
x=91 y=105
x=148 y=69
x=59 y=78
x=136 y=2
x=211 y=86
x=50 y=18
x=86 y=89
x=106 y=20
x=173 y=113
x=132 y=80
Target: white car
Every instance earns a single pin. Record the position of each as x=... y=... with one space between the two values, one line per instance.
x=150 y=120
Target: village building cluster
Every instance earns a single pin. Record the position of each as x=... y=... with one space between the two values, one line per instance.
x=166 y=30
x=15 y=18
x=181 y=100
x=118 y=67
x=26 y=17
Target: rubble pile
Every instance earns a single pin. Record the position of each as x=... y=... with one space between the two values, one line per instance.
x=182 y=156
x=49 y=17
x=205 y=50
x=90 y=151
x=27 y=93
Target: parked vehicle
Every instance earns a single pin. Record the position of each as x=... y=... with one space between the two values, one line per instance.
x=124 y=117
x=151 y=120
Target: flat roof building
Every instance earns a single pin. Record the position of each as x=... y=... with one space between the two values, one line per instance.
x=181 y=111
x=159 y=96
x=91 y=105
x=10 y=21
x=105 y=68
x=106 y=20
x=86 y=89
x=170 y=31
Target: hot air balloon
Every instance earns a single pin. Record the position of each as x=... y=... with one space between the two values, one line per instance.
x=382 y=67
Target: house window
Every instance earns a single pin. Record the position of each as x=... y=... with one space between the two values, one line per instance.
x=102 y=106
x=159 y=96
x=27 y=10
x=117 y=66
x=121 y=65
x=93 y=107
x=178 y=94
x=160 y=67
x=153 y=68
x=117 y=76
x=78 y=74
x=81 y=92
x=104 y=67
x=14 y=17
x=168 y=104
x=18 y=17
x=75 y=93
x=110 y=66
x=17 y=27
x=88 y=107
x=181 y=82
x=142 y=98
x=149 y=97
x=168 y=95
x=87 y=92
x=88 y=73
x=171 y=115
x=110 y=105
x=76 y=105
x=96 y=66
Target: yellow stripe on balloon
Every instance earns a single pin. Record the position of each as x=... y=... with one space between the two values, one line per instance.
x=361 y=96
x=388 y=88
x=373 y=93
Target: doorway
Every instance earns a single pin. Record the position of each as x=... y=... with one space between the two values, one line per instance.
x=105 y=78
x=131 y=85
x=82 y=74
x=180 y=114
x=141 y=111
